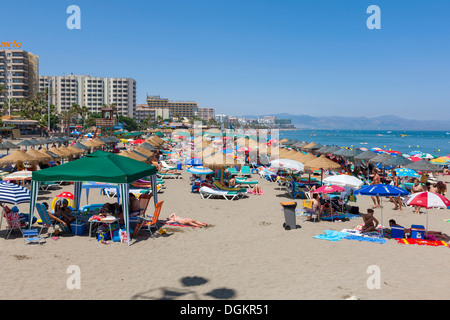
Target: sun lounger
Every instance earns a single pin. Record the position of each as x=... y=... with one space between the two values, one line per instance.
x=168 y=175
x=246 y=183
x=206 y=193
x=223 y=188
x=166 y=166
x=233 y=171
x=47 y=185
x=245 y=171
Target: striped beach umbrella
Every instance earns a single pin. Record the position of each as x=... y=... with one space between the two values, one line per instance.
x=19 y=175
x=13 y=193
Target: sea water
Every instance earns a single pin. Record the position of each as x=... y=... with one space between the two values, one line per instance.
x=434 y=142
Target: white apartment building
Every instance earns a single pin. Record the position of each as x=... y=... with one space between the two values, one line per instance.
x=92 y=92
x=19 y=72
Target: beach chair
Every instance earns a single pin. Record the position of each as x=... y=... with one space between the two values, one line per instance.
x=240 y=191
x=232 y=171
x=149 y=221
x=206 y=193
x=294 y=189
x=13 y=221
x=307 y=206
x=246 y=183
x=43 y=214
x=163 y=175
x=166 y=166
x=47 y=185
x=245 y=171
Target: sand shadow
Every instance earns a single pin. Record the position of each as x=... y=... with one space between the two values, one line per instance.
x=191 y=282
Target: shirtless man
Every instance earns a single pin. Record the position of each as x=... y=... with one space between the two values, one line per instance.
x=376 y=180
x=370 y=223
x=415 y=189
x=398 y=200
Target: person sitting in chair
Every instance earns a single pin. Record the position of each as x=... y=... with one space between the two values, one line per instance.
x=54 y=218
x=63 y=212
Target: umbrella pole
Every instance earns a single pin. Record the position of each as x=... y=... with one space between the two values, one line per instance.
x=381 y=223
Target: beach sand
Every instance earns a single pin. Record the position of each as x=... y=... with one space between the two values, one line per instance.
x=244 y=253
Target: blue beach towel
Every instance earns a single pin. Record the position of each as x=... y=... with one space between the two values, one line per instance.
x=360 y=238
x=331 y=235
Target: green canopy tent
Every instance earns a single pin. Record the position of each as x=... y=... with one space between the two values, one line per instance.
x=114 y=169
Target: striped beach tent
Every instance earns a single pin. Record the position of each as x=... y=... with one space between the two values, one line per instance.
x=115 y=169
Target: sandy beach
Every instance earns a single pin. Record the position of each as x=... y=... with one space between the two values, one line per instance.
x=244 y=253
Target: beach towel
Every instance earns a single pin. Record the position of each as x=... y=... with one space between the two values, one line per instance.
x=331 y=235
x=422 y=242
x=176 y=224
x=364 y=238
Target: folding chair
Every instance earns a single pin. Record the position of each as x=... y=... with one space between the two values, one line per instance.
x=149 y=221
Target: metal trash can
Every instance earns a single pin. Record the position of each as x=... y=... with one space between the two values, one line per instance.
x=289 y=215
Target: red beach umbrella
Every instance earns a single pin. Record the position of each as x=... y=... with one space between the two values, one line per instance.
x=329 y=189
x=428 y=200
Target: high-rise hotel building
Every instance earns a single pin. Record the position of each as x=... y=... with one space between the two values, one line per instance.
x=92 y=92
x=187 y=109
x=19 y=74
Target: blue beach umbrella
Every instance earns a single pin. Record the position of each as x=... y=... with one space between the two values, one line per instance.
x=200 y=170
x=404 y=172
x=193 y=162
x=382 y=190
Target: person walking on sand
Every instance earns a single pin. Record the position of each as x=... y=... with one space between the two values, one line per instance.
x=415 y=189
x=397 y=200
x=376 y=180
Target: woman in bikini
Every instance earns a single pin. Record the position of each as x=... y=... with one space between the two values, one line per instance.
x=173 y=218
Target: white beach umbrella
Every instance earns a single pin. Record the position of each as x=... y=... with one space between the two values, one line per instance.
x=344 y=180
x=287 y=164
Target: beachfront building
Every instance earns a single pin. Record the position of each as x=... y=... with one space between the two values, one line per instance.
x=19 y=75
x=143 y=111
x=206 y=113
x=92 y=92
x=187 y=109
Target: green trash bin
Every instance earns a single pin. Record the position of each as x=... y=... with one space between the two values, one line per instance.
x=290 y=221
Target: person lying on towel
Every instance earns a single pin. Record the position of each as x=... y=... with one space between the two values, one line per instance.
x=173 y=218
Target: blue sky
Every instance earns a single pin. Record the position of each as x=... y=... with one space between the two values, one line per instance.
x=312 y=57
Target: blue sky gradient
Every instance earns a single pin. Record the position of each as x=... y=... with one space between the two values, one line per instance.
x=312 y=57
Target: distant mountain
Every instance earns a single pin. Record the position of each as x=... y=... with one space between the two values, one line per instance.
x=386 y=122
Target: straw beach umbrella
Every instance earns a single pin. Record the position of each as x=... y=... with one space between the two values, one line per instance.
x=41 y=157
x=423 y=165
x=17 y=156
x=322 y=163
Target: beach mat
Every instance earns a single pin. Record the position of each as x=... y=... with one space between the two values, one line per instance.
x=364 y=238
x=422 y=242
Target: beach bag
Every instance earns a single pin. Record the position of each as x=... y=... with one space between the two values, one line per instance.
x=123 y=235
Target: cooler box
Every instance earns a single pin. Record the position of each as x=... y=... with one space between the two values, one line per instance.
x=417 y=232
x=397 y=232
x=179 y=165
x=289 y=215
x=78 y=228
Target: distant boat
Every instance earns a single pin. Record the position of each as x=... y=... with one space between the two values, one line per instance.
x=389 y=132
x=363 y=143
x=447 y=133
